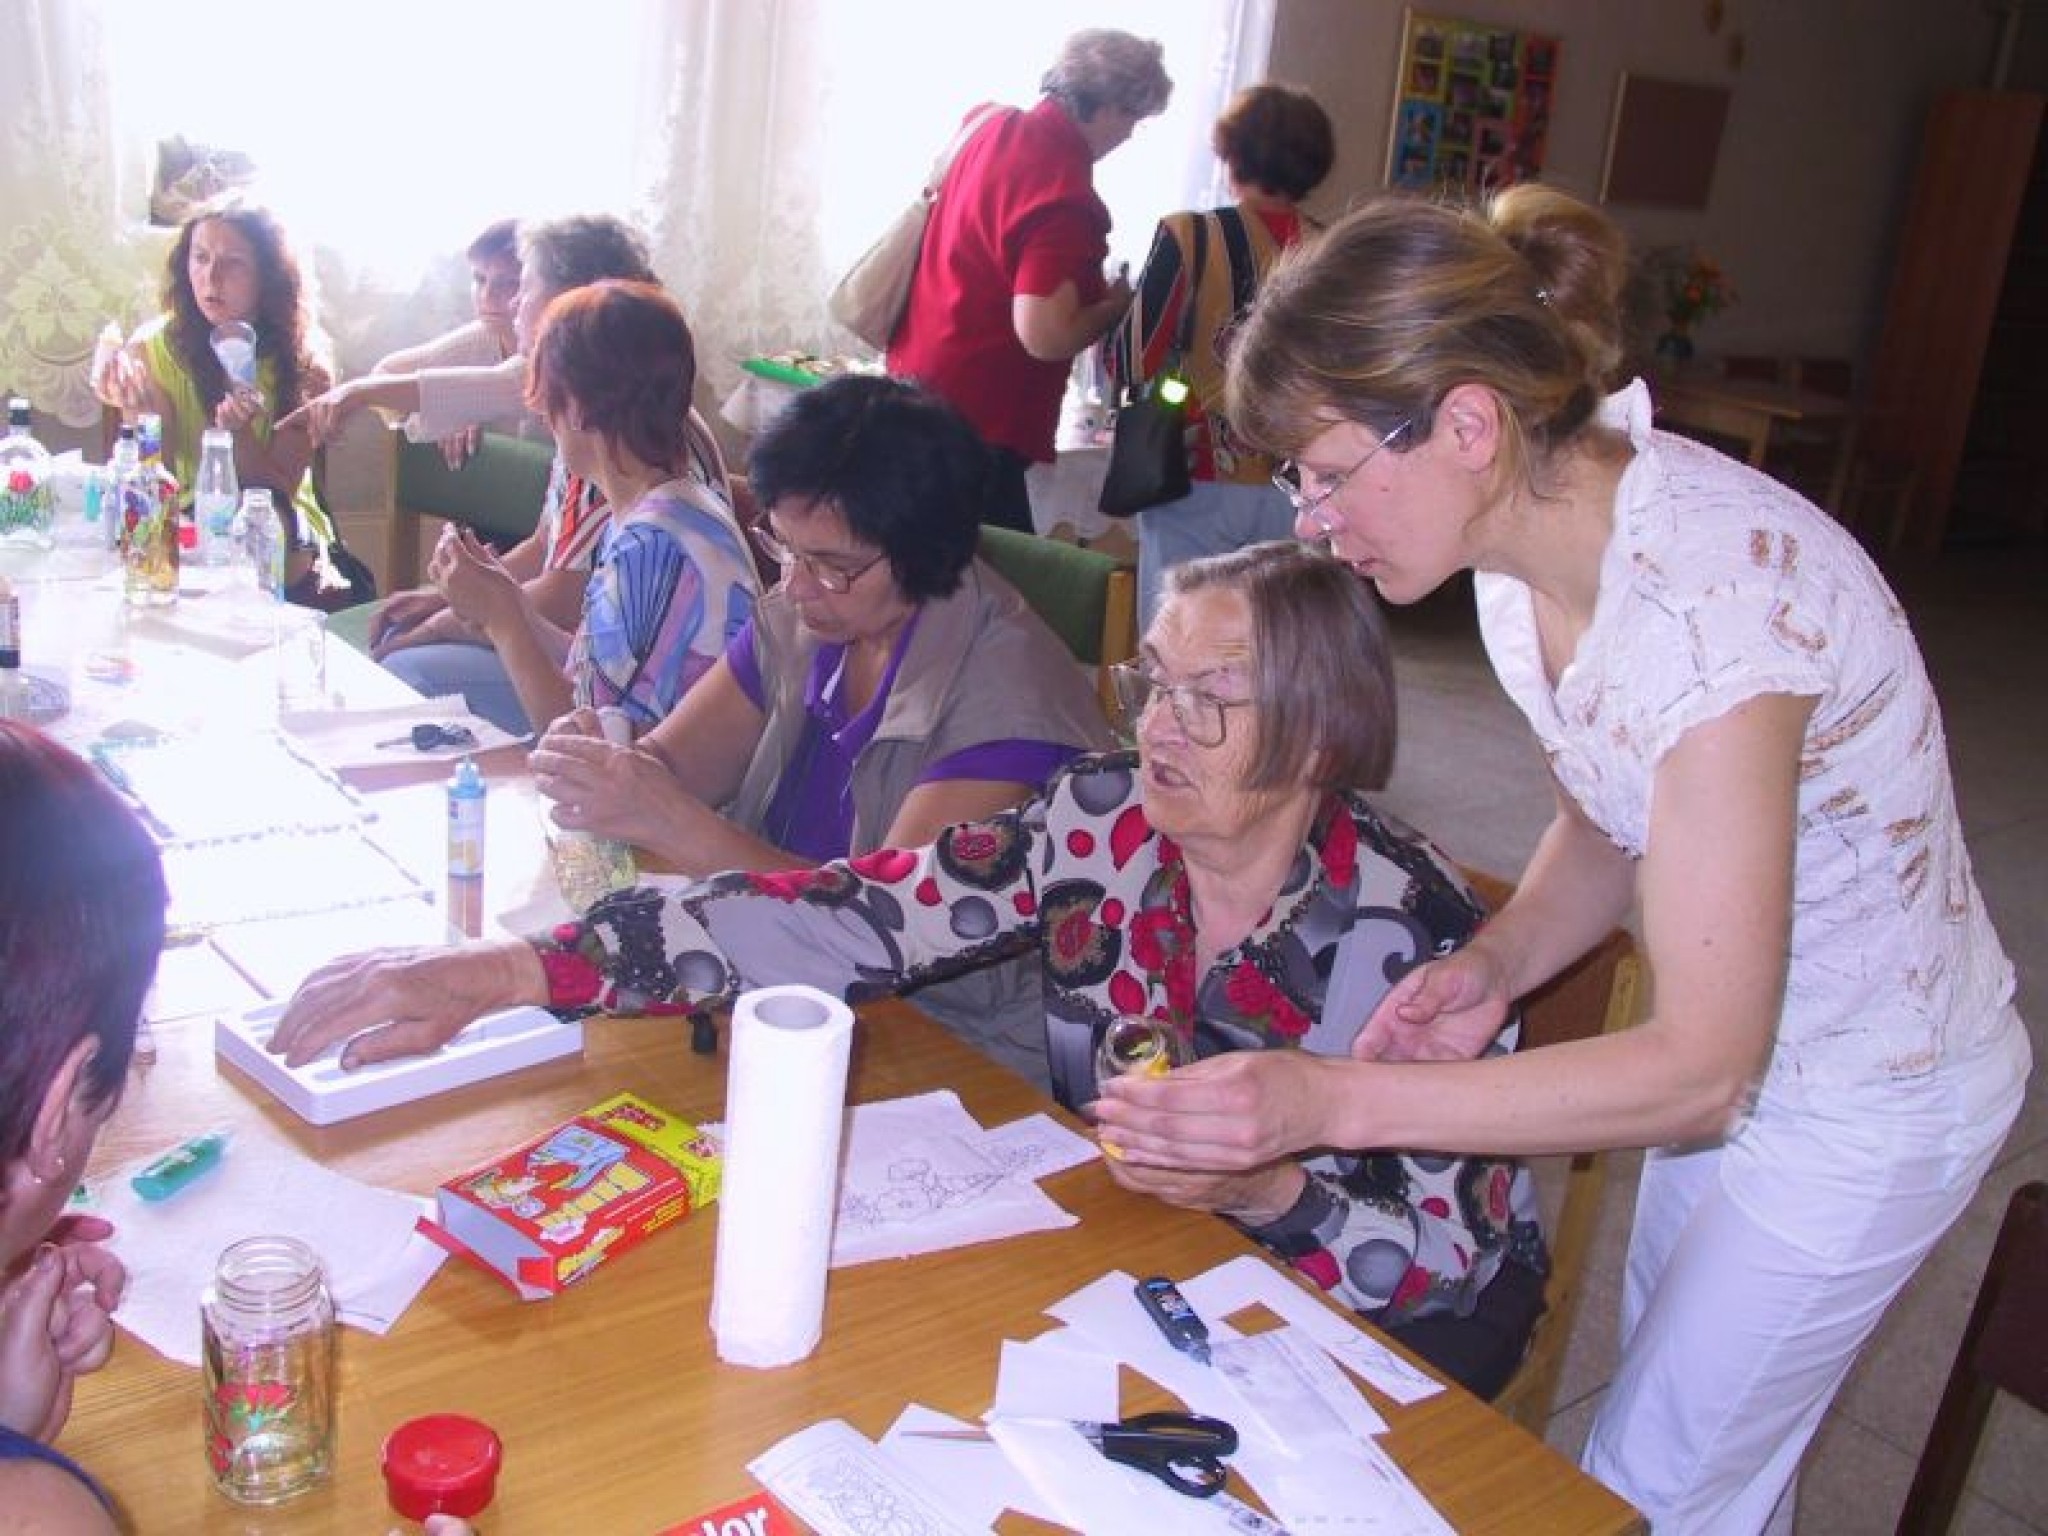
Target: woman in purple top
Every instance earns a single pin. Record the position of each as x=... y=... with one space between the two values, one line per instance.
x=890 y=686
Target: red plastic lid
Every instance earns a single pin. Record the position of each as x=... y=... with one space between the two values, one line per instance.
x=442 y=1464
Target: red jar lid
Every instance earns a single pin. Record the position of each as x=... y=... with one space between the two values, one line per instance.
x=442 y=1464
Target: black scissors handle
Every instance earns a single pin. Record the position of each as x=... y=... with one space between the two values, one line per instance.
x=1185 y=1451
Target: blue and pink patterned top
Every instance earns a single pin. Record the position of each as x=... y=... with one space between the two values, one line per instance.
x=673 y=584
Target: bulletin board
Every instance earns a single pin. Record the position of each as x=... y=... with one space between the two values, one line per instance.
x=1663 y=142
x=1472 y=104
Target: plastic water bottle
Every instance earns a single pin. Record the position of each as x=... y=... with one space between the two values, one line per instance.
x=263 y=538
x=216 y=497
x=466 y=822
x=588 y=867
x=28 y=502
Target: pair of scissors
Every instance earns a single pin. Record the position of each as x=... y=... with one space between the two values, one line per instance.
x=1185 y=1451
x=427 y=737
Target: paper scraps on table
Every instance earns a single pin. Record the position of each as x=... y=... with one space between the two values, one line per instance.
x=839 y=1481
x=375 y=1260
x=360 y=738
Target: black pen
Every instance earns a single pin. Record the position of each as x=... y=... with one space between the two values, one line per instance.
x=1167 y=1308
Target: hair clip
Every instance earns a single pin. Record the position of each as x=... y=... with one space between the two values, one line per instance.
x=1543 y=297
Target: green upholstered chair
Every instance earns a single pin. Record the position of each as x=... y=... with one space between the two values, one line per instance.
x=497 y=493
x=1087 y=598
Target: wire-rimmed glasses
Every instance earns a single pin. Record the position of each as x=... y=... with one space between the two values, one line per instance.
x=1311 y=503
x=1203 y=718
x=836 y=579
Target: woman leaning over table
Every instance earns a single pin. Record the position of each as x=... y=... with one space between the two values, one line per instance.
x=1229 y=880
x=613 y=368
x=1745 y=742
x=1278 y=146
x=232 y=262
x=81 y=921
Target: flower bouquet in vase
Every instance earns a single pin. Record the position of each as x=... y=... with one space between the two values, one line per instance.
x=1693 y=286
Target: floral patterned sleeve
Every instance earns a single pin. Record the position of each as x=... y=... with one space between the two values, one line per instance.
x=857 y=928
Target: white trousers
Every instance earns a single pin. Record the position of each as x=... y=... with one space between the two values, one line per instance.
x=1758 y=1268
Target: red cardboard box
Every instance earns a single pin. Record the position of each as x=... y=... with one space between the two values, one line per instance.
x=548 y=1214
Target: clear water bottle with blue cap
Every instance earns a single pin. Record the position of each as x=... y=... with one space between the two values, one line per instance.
x=216 y=497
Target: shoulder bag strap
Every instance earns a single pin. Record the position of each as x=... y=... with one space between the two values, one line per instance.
x=1244 y=260
x=1184 y=335
x=937 y=175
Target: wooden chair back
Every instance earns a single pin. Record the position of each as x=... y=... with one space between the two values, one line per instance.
x=1596 y=995
x=2004 y=1349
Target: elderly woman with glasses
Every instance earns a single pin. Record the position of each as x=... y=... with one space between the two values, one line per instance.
x=1228 y=882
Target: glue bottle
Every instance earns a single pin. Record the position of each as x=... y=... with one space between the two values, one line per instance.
x=13 y=689
x=466 y=822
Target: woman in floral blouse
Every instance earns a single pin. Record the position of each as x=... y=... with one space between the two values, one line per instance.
x=1228 y=879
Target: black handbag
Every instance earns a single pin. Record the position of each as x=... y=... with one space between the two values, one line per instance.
x=1148 y=453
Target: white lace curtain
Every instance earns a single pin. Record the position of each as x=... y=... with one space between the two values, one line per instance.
x=760 y=142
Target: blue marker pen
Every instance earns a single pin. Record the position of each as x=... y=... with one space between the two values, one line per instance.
x=1165 y=1305
x=165 y=1176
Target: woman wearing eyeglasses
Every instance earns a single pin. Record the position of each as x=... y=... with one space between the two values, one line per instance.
x=1228 y=880
x=1746 y=747
x=612 y=370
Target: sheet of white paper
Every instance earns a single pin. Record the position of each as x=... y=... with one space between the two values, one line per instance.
x=914 y=1179
x=973 y=1477
x=1302 y=1400
x=838 y=1480
x=279 y=953
x=1355 y=1491
x=1248 y=1281
x=365 y=1238
x=214 y=885
x=362 y=738
x=1037 y=1147
x=1058 y=1375
x=195 y=978
x=1090 y=1492
x=1106 y=1312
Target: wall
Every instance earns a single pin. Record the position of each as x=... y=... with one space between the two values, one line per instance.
x=1815 y=164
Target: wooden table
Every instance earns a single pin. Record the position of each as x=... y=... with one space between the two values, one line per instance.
x=1749 y=410
x=615 y=1411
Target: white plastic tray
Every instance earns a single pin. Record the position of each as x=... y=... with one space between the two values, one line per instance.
x=321 y=1092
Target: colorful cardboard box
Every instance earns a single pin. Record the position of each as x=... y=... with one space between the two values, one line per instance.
x=546 y=1215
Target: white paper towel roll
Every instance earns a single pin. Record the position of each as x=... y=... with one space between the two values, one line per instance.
x=785 y=1101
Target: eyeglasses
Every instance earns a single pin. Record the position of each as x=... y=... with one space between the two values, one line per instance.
x=835 y=579
x=1200 y=714
x=1306 y=504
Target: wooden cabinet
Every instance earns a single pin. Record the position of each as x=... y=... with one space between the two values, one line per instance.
x=1960 y=387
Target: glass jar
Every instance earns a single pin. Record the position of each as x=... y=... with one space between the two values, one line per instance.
x=268 y=1324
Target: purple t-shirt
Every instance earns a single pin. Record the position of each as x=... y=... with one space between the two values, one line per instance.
x=811 y=814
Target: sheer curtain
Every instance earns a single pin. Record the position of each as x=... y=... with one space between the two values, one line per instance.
x=761 y=143
x=64 y=267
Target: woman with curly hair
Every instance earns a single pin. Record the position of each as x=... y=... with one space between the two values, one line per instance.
x=232 y=263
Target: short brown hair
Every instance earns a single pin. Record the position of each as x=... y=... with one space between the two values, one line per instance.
x=1380 y=316
x=1101 y=67
x=1322 y=676
x=1276 y=137
x=622 y=356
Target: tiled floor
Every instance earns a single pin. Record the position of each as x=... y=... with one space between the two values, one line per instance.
x=1982 y=619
